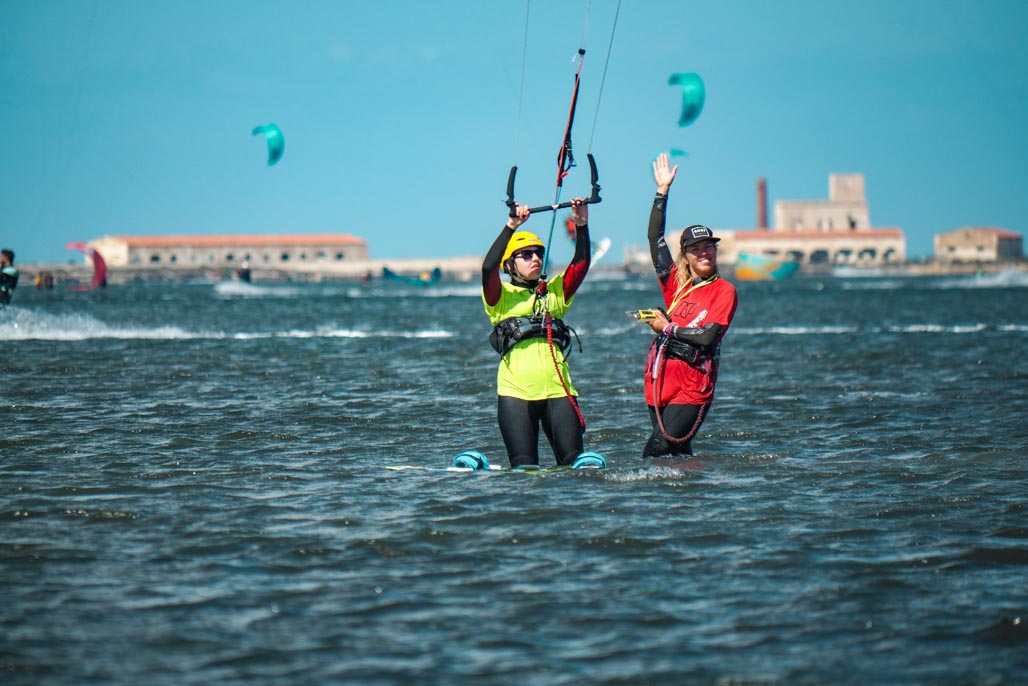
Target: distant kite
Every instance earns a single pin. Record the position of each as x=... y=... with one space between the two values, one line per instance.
x=99 y=266
x=693 y=95
x=276 y=141
x=673 y=152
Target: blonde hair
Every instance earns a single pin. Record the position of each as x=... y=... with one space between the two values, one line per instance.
x=682 y=267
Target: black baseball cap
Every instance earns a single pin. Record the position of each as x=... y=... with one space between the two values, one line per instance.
x=696 y=233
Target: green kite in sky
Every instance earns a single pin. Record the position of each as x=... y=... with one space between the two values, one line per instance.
x=693 y=95
x=276 y=141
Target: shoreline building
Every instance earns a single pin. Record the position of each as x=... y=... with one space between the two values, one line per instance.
x=230 y=251
x=836 y=231
x=978 y=244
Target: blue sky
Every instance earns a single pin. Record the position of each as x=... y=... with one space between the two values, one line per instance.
x=401 y=119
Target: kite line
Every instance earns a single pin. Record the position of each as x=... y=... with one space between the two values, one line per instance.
x=565 y=156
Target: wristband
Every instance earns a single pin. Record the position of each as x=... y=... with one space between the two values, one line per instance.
x=668 y=329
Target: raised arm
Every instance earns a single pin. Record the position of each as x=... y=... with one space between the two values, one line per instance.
x=574 y=275
x=664 y=176
x=492 y=287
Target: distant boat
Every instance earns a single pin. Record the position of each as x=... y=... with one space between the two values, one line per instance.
x=422 y=279
x=752 y=267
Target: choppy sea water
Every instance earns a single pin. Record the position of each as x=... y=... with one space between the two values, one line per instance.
x=193 y=491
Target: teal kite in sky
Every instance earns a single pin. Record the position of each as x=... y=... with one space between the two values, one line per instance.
x=693 y=95
x=276 y=141
x=673 y=152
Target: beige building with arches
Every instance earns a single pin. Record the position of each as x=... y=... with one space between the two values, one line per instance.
x=230 y=251
x=836 y=231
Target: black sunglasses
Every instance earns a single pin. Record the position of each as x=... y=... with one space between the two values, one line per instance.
x=528 y=253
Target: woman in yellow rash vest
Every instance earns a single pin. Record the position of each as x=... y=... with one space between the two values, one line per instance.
x=532 y=383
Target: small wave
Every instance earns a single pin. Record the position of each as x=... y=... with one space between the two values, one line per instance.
x=906 y=328
x=28 y=325
x=996 y=556
x=294 y=333
x=637 y=286
x=1006 y=631
x=615 y=330
x=883 y=285
x=1008 y=278
x=651 y=473
x=471 y=291
x=433 y=334
x=249 y=290
x=352 y=333
x=436 y=291
x=101 y=514
x=796 y=330
x=937 y=328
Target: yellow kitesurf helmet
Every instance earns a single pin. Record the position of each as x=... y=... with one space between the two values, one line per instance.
x=519 y=241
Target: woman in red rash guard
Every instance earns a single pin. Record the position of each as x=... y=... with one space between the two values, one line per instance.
x=682 y=364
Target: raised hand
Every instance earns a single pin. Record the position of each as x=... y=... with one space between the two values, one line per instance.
x=664 y=173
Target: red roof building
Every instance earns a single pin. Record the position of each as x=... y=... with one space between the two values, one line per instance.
x=978 y=244
x=230 y=250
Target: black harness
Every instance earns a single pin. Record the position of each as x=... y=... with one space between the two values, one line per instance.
x=8 y=282
x=513 y=330
x=687 y=352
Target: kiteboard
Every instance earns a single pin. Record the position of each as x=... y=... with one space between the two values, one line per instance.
x=424 y=468
x=471 y=461
x=493 y=469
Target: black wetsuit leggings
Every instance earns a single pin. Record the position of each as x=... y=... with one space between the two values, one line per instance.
x=680 y=421
x=519 y=424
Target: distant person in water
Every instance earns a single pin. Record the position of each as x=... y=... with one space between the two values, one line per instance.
x=532 y=383
x=682 y=364
x=8 y=276
x=243 y=273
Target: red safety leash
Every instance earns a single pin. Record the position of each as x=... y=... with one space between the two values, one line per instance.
x=556 y=365
x=659 y=362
